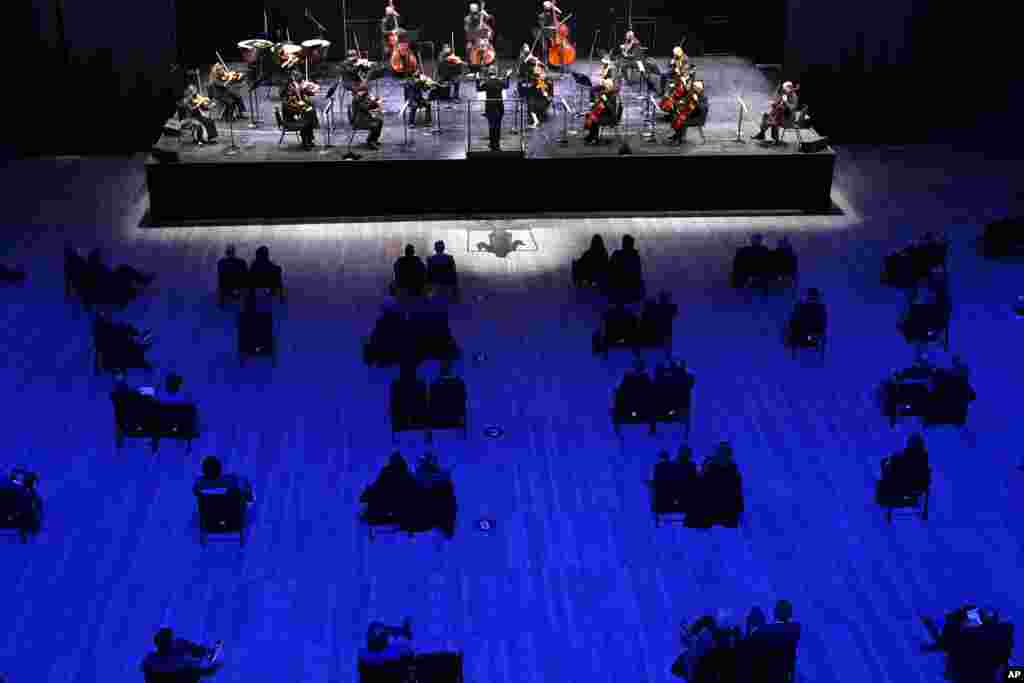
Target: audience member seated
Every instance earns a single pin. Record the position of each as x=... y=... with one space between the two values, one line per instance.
x=390 y=340
x=387 y=498
x=785 y=260
x=11 y=276
x=721 y=491
x=951 y=395
x=905 y=473
x=77 y=277
x=435 y=503
x=808 y=325
x=177 y=660
x=672 y=393
x=441 y=270
x=119 y=346
x=769 y=650
x=21 y=507
x=908 y=266
x=591 y=269
x=265 y=274
x=625 y=273
x=1004 y=237
x=656 y=321
x=751 y=263
x=924 y=322
x=140 y=414
x=448 y=400
x=976 y=643
x=709 y=650
x=232 y=276
x=388 y=655
x=410 y=273
x=409 y=406
x=117 y=287
x=632 y=403
x=675 y=482
x=214 y=480
x=432 y=334
x=619 y=327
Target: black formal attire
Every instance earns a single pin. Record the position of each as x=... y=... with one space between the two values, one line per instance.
x=433 y=334
x=435 y=502
x=229 y=97
x=417 y=95
x=625 y=276
x=450 y=74
x=770 y=652
x=231 y=484
x=494 y=109
x=120 y=345
x=409 y=401
x=23 y=504
x=674 y=485
x=620 y=327
x=441 y=270
x=673 y=390
x=978 y=653
x=410 y=274
x=264 y=273
x=390 y=495
x=751 y=262
x=447 y=399
x=232 y=275
x=364 y=118
x=721 y=495
x=950 y=398
x=656 y=322
x=905 y=473
x=184 y=662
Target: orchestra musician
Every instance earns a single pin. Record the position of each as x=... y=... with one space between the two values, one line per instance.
x=418 y=92
x=546 y=22
x=605 y=110
x=494 y=109
x=697 y=106
x=221 y=80
x=474 y=26
x=680 y=66
x=630 y=48
x=197 y=107
x=450 y=69
x=297 y=98
x=390 y=30
x=608 y=69
x=538 y=92
x=366 y=115
x=782 y=112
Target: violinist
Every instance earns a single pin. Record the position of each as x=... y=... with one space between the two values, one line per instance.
x=680 y=66
x=630 y=48
x=418 y=92
x=197 y=107
x=494 y=110
x=450 y=69
x=221 y=80
x=608 y=69
x=366 y=115
x=604 y=112
x=538 y=99
x=782 y=112
x=297 y=97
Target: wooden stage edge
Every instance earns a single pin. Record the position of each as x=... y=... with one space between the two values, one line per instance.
x=727 y=184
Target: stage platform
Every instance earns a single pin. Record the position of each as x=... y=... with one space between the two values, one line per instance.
x=445 y=168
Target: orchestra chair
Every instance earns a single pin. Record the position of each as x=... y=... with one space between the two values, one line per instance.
x=914 y=496
x=615 y=126
x=795 y=125
x=20 y=507
x=221 y=512
x=287 y=126
x=353 y=129
x=904 y=397
x=256 y=336
x=381 y=522
x=438 y=667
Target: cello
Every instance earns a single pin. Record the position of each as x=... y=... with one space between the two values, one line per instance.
x=561 y=52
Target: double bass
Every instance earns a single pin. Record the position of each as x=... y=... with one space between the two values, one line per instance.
x=391 y=37
x=483 y=53
x=403 y=61
x=561 y=51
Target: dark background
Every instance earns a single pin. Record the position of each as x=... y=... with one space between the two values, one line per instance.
x=874 y=70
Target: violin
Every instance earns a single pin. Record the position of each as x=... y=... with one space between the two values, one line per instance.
x=200 y=102
x=540 y=81
x=454 y=59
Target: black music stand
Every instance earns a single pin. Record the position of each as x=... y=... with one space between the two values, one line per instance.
x=583 y=82
x=329 y=110
x=231 y=149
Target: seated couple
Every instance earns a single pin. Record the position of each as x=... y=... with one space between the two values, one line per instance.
x=709 y=497
x=96 y=283
x=415 y=501
x=621 y=327
x=639 y=399
x=756 y=264
x=716 y=651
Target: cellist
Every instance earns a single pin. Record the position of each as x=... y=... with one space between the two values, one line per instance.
x=604 y=112
x=782 y=112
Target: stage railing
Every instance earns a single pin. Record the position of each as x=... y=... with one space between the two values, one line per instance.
x=513 y=122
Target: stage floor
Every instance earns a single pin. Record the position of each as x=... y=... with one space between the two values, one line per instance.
x=725 y=78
